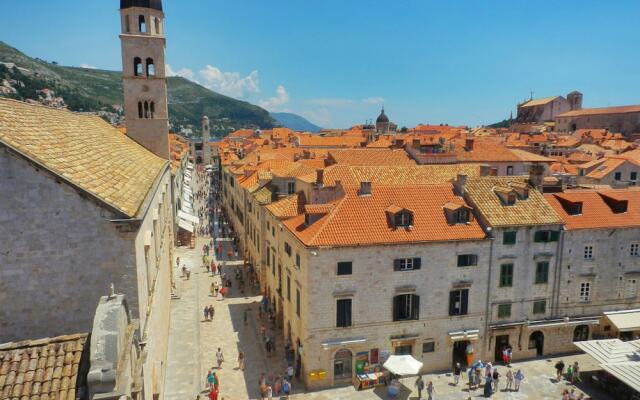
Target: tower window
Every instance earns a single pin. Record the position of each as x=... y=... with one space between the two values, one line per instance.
x=151 y=69
x=127 y=24
x=146 y=109
x=137 y=67
x=157 y=23
x=142 y=25
x=140 y=114
x=152 y=108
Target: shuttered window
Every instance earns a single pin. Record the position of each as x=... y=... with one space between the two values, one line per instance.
x=406 y=307
x=343 y=313
x=406 y=264
x=459 y=302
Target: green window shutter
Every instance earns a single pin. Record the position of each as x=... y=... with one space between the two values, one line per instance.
x=554 y=236
x=537 y=237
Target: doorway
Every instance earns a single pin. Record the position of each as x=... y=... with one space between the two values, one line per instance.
x=342 y=365
x=460 y=352
x=536 y=341
x=502 y=342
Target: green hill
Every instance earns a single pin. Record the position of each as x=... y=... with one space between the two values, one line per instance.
x=85 y=89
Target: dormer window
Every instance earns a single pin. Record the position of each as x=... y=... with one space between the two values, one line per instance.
x=399 y=217
x=506 y=194
x=521 y=189
x=457 y=213
x=403 y=219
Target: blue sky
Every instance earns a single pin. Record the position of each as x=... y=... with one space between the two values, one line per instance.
x=336 y=61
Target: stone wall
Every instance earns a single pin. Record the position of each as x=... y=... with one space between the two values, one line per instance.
x=59 y=253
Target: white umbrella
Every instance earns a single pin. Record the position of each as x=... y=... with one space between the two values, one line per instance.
x=403 y=365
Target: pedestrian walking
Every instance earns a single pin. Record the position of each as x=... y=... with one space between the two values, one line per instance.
x=496 y=379
x=575 y=376
x=488 y=386
x=559 y=370
x=212 y=311
x=241 y=360
x=509 y=380
x=518 y=378
x=219 y=357
x=216 y=381
x=419 y=386
x=213 y=290
x=430 y=390
x=210 y=379
x=457 y=370
x=290 y=372
x=269 y=393
x=206 y=313
x=286 y=388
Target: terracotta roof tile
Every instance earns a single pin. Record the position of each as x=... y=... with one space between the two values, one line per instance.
x=596 y=213
x=23 y=371
x=531 y=211
x=371 y=157
x=288 y=207
x=85 y=150
x=337 y=228
x=601 y=111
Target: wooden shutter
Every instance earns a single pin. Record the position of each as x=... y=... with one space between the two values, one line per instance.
x=416 y=262
x=473 y=259
x=461 y=260
x=396 y=264
x=464 y=301
x=396 y=306
x=537 y=237
x=554 y=236
x=452 y=302
x=415 y=307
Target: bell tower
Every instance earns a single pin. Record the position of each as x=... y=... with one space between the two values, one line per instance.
x=143 y=74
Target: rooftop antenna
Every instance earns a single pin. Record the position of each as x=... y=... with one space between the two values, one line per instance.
x=531 y=98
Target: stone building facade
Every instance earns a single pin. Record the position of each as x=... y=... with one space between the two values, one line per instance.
x=76 y=220
x=622 y=119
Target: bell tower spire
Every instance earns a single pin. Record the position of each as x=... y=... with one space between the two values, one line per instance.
x=143 y=74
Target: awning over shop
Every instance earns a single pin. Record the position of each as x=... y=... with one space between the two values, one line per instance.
x=620 y=359
x=464 y=334
x=189 y=166
x=186 y=225
x=625 y=321
x=186 y=207
x=188 y=217
x=187 y=189
x=341 y=342
x=550 y=322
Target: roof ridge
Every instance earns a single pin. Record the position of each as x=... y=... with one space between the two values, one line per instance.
x=330 y=216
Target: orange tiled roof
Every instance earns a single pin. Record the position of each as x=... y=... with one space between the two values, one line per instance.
x=607 y=166
x=484 y=150
x=371 y=157
x=41 y=369
x=530 y=157
x=288 y=207
x=330 y=141
x=394 y=175
x=337 y=228
x=595 y=211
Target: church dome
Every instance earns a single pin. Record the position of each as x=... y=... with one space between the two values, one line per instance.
x=154 y=4
x=382 y=117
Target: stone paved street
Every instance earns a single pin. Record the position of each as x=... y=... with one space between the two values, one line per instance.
x=194 y=341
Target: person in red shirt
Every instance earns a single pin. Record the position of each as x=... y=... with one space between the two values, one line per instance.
x=213 y=394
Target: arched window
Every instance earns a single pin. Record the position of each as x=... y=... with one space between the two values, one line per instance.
x=151 y=68
x=142 y=25
x=140 y=115
x=342 y=364
x=127 y=24
x=146 y=109
x=137 y=67
x=157 y=23
x=581 y=333
x=152 y=107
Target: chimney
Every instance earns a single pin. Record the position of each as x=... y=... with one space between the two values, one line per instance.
x=365 y=189
x=485 y=170
x=461 y=184
x=320 y=177
x=536 y=176
x=468 y=144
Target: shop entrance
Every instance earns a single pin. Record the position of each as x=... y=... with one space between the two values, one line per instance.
x=342 y=365
x=502 y=342
x=536 y=341
x=460 y=352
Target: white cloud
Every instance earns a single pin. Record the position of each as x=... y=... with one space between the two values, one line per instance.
x=183 y=72
x=276 y=102
x=373 y=100
x=229 y=83
x=83 y=65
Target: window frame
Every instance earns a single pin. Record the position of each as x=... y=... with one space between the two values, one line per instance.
x=463 y=299
x=410 y=305
x=634 y=250
x=504 y=276
x=407 y=264
x=346 y=320
x=507 y=238
x=502 y=314
x=344 y=264
x=536 y=307
x=538 y=273
x=585 y=292
x=470 y=260
x=428 y=347
x=588 y=252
